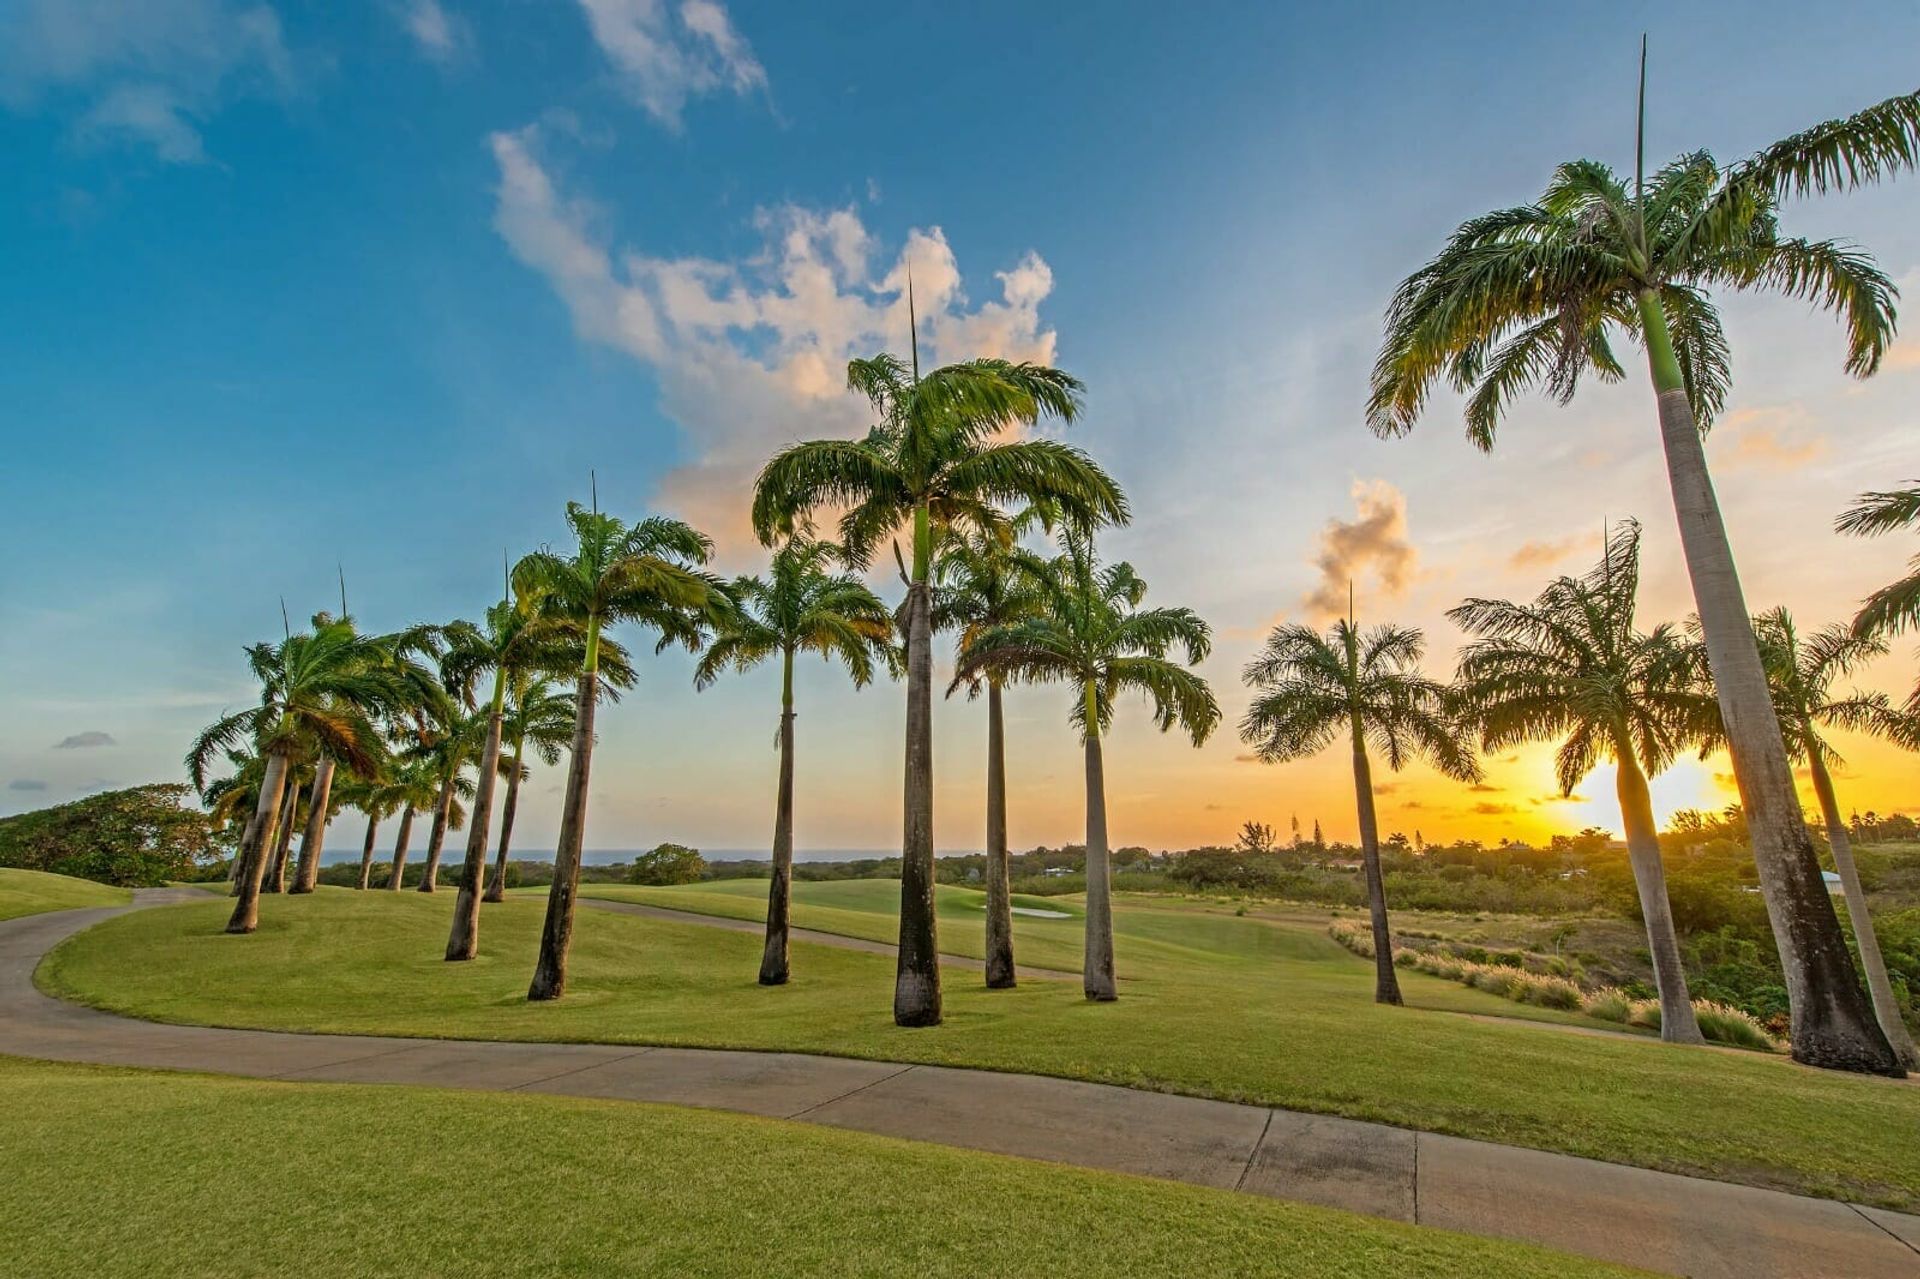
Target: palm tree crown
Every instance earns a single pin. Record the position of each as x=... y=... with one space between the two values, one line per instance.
x=1092 y=633
x=1572 y=665
x=1532 y=296
x=1895 y=607
x=801 y=605
x=1802 y=670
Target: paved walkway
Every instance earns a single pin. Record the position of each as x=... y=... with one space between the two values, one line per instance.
x=1681 y=1225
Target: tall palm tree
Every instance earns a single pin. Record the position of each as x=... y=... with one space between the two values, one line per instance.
x=1894 y=607
x=1093 y=636
x=1801 y=671
x=291 y=818
x=517 y=643
x=801 y=605
x=647 y=573
x=982 y=579
x=413 y=788
x=454 y=733
x=932 y=462
x=369 y=796
x=1572 y=665
x=1310 y=687
x=540 y=720
x=1534 y=296
x=319 y=692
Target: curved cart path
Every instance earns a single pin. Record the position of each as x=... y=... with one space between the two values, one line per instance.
x=1681 y=1225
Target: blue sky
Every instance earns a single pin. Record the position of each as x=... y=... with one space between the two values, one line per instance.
x=375 y=284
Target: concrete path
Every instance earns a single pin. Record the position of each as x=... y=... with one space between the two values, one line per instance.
x=1680 y=1225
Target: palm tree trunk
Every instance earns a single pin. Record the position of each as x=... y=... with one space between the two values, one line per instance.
x=916 y=985
x=1386 y=981
x=1096 y=975
x=1886 y=1009
x=275 y=880
x=556 y=935
x=1833 y=1025
x=463 y=941
x=246 y=910
x=1000 y=973
x=497 y=886
x=399 y=871
x=307 y=873
x=1678 y=1025
x=437 y=836
x=773 y=959
x=366 y=850
x=249 y=833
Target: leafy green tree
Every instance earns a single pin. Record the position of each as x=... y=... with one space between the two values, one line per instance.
x=1535 y=295
x=1573 y=666
x=1802 y=671
x=933 y=461
x=983 y=579
x=1093 y=636
x=541 y=720
x=648 y=573
x=1310 y=687
x=139 y=837
x=801 y=605
x=320 y=692
x=668 y=864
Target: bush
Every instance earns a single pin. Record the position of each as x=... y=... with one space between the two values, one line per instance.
x=136 y=838
x=1609 y=1003
x=1725 y=1025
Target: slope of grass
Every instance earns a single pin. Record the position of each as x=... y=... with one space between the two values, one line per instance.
x=1214 y=1005
x=29 y=892
x=129 y=1173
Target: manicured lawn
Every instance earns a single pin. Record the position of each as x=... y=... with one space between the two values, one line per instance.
x=29 y=892
x=109 y=1172
x=1240 y=1008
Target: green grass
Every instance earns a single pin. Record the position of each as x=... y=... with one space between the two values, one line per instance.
x=109 y=1172
x=30 y=892
x=1257 y=1009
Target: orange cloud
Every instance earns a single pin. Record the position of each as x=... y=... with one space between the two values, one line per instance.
x=1376 y=540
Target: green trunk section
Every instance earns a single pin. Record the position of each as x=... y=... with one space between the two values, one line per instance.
x=591 y=664
x=1093 y=709
x=922 y=542
x=1660 y=357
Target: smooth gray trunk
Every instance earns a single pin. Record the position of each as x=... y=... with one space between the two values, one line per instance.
x=556 y=935
x=405 y=837
x=1678 y=1025
x=246 y=909
x=1386 y=981
x=1096 y=975
x=366 y=850
x=916 y=985
x=1886 y=1008
x=1000 y=970
x=1833 y=1024
x=249 y=834
x=306 y=874
x=463 y=941
x=437 y=837
x=275 y=880
x=497 y=885
x=774 y=968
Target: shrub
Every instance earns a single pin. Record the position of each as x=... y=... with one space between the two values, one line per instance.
x=1609 y=1003
x=1727 y=1025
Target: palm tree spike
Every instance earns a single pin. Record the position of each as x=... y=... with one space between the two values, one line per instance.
x=913 y=323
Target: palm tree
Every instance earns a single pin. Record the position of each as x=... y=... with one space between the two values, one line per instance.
x=647 y=573
x=413 y=788
x=1311 y=686
x=370 y=796
x=319 y=693
x=291 y=817
x=452 y=736
x=1535 y=295
x=802 y=605
x=932 y=462
x=1801 y=671
x=1893 y=608
x=541 y=720
x=982 y=579
x=1571 y=665
x=517 y=644
x=1094 y=636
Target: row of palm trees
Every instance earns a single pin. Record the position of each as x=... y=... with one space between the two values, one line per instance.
x=1519 y=298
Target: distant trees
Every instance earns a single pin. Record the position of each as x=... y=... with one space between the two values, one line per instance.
x=668 y=864
x=139 y=837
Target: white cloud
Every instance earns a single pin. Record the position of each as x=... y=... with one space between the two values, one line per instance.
x=752 y=355
x=1376 y=540
x=145 y=71
x=443 y=37
x=667 y=54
